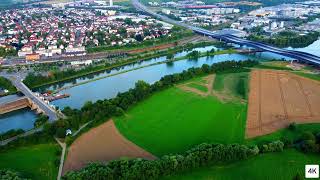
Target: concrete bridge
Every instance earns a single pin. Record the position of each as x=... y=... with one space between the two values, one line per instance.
x=19 y=104
x=30 y=100
x=33 y=101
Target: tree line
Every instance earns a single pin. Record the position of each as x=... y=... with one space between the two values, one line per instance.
x=288 y=39
x=199 y=156
x=176 y=34
x=102 y=110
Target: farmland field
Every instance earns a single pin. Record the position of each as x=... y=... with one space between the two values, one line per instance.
x=35 y=162
x=282 y=165
x=175 y=120
x=278 y=98
x=101 y=144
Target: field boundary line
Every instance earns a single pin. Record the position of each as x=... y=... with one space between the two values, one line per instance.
x=259 y=96
x=305 y=95
x=282 y=97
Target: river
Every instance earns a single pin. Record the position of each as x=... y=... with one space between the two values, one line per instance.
x=109 y=87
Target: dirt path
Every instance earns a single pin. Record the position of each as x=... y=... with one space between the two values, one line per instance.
x=222 y=96
x=208 y=84
x=101 y=144
x=63 y=146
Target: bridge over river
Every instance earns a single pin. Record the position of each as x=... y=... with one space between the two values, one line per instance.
x=30 y=99
x=298 y=55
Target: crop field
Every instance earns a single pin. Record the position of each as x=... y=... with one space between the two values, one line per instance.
x=101 y=144
x=278 y=98
x=177 y=119
x=35 y=162
x=281 y=166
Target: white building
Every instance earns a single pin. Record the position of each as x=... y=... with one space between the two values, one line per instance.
x=166 y=11
x=77 y=63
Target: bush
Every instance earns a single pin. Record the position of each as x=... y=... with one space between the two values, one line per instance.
x=58 y=152
x=61 y=132
x=42 y=119
x=318 y=137
x=10 y=175
x=288 y=142
x=57 y=161
x=276 y=146
x=309 y=146
x=292 y=126
x=307 y=136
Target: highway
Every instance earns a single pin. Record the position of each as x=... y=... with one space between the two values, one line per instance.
x=298 y=55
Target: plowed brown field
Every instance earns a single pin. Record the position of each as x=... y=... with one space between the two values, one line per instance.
x=101 y=144
x=278 y=98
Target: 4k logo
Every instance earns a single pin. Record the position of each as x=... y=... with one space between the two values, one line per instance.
x=312 y=171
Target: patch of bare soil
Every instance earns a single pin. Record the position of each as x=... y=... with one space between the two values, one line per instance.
x=101 y=144
x=278 y=98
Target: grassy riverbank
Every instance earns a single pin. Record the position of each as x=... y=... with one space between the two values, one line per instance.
x=204 y=54
x=32 y=82
x=6 y=84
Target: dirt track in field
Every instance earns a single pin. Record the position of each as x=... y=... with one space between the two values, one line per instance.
x=208 y=84
x=101 y=144
x=278 y=98
x=209 y=81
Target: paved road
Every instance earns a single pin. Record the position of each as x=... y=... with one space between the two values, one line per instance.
x=302 y=56
x=17 y=82
x=63 y=146
x=5 y=142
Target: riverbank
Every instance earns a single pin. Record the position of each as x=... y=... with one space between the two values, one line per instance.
x=131 y=60
x=204 y=54
x=6 y=87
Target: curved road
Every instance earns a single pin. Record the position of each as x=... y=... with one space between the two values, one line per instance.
x=301 y=56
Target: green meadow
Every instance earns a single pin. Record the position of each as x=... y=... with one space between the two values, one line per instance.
x=34 y=161
x=172 y=121
x=233 y=84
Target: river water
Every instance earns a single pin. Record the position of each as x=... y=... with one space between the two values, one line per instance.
x=21 y=119
x=109 y=87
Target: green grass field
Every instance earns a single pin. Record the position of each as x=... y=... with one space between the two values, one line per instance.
x=198 y=87
x=282 y=165
x=307 y=75
x=234 y=84
x=172 y=121
x=35 y=162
